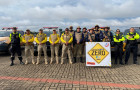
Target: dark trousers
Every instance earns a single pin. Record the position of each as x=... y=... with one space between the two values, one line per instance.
x=118 y=53
x=15 y=49
x=134 y=48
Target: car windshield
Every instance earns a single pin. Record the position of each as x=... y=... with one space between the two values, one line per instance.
x=4 y=33
x=7 y=33
x=48 y=33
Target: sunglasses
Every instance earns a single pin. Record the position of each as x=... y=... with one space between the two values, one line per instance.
x=78 y=28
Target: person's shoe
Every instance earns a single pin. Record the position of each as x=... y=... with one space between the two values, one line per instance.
x=46 y=63
x=51 y=62
x=37 y=63
x=22 y=63
x=26 y=62
x=136 y=63
x=121 y=63
x=74 y=60
x=126 y=63
x=81 y=60
x=115 y=63
x=33 y=62
x=11 y=64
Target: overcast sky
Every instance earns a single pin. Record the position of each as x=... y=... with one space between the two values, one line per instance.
x=35 y=14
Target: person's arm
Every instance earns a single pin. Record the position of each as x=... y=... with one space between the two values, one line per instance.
x=36 y=39
x=20 y=37
x=136 y=36
x=101 y=35
x=71 y=39
x=111 y=36
x=45 y=40
x=50 y=39
x=115 y=40
x=74 y=38
x=62 y=39
x=58 y=39
x=23 y=39
x=127 y=36
x=122 y=39
x=32 y=39
x=82 y=38
x=10 y=37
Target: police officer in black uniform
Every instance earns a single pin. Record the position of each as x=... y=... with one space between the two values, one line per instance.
x=15 y=39
x=131 y=44
x=118 y=42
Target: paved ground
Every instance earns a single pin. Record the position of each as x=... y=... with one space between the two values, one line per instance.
x=67 y=77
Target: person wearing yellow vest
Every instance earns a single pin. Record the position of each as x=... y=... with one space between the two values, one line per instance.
x=66 y=39
x=71 y=31
x=118 y=42
x=54 y=41
x=41 y=39
x=28 y=39
x=15 y=40
x=132 y=37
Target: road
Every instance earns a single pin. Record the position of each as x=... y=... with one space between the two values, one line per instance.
x=67 y=77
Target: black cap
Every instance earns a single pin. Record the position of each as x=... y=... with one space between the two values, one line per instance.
x=28 y=30
x=66 y=29
x=14 y=28
x=40 y=29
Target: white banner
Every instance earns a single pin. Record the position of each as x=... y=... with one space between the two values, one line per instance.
x=98 y=54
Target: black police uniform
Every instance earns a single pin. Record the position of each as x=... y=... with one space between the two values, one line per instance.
x=131 y=45
x=15 y=47
x=118 y=42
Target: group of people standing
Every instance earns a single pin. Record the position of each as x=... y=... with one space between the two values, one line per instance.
x=73 y=44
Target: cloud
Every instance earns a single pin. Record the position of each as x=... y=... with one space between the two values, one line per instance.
x=32 y=14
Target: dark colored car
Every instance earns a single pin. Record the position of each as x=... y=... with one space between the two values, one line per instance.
x=5 y=41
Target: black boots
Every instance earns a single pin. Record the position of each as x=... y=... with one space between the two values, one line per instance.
x=81 y=60
x=20 y=58
x=21 y=62
x=12 y=63
x=74 y=60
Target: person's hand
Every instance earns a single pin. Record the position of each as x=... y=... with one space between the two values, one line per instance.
x=27 y=42
x=129 y=37
x=106 y=37
x=90 y=40
x=40 y=43
x=67 y=43
x=52 y=43
x=78 y=42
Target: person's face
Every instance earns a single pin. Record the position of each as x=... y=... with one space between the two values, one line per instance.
x=84 y=30
x=40 y=31
x=66 y=31
x=54 y=32
x=91 y=31
x=78 y=29
x=106 y=29
x=27 y=32
x=132 y=30
x=96 y=28
x=118 y=32
x=14 y=30
x=71 y=28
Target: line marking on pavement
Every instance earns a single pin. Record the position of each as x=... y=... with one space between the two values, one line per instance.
x=71 y=82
